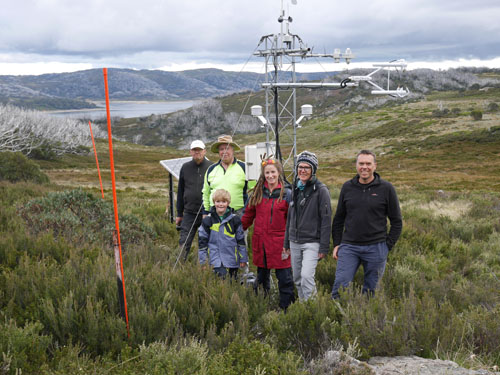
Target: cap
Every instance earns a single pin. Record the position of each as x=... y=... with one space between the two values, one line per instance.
x=197 y=144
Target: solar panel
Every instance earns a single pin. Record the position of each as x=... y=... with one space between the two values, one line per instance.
x=174 y=165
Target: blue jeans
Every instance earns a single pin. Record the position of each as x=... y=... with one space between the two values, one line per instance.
x=373 y=259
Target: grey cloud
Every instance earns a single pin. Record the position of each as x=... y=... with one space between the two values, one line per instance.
x=96 y=29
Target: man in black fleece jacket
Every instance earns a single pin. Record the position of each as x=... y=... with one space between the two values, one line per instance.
x=359 y=227
x=189 y=198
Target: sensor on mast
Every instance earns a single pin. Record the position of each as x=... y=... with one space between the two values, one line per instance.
x=280 y=52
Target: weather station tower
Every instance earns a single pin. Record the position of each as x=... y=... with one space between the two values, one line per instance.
x=281 y=53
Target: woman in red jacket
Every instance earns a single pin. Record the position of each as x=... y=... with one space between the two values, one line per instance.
x=268 y=207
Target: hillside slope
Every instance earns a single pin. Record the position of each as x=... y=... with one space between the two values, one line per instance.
x=232 y=112
x=77 y=89
x=438 y=297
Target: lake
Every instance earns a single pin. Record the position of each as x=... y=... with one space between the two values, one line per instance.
x=125 y=109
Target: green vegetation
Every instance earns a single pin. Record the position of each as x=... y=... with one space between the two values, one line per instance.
x=438 y=298
x=476 y=114
x=47 y=103
x=79 y=216
x=14 y=167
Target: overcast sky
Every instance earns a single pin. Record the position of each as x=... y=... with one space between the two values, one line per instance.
x=44 y=36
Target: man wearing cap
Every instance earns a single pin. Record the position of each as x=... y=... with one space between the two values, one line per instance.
x=189 y=200
x=228 y=174
x=360 y=225
x=308 y=226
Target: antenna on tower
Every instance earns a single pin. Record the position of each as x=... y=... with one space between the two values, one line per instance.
x=282 y=52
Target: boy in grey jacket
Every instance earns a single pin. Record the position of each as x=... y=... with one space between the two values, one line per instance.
x=221 y=238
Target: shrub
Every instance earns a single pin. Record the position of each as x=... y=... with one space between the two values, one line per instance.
x=71 y=359
x=249 y=357
x=82 y=218
x=44 y=152
x=209 y=307
x=390 y=327
x=22 y=348
x=476 y=114
x=440 y=112
x=15 y=167
x=76 y=302
x=338 y=363
x=484 y=334
x=89 y=322
x=191 y=356
x=308 y=328
x=493 y=107
x=186 y=358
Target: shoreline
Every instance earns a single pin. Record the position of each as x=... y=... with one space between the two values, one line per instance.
x=101 y=105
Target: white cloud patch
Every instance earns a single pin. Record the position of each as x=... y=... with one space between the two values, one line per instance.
x=152 y=33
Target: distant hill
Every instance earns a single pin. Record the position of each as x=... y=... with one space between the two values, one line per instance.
x=76 y=90
x=231 y=113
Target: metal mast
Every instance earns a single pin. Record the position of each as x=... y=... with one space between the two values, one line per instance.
x=281 y=52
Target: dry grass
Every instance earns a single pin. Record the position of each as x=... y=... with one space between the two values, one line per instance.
x=454 y=210
x=336 y=140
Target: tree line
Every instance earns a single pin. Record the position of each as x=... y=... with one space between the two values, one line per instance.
x=40 y=135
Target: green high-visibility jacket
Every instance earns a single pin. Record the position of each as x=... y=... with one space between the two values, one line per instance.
x=232 y=179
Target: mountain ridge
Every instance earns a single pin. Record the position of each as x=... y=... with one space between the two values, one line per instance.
x=75 y=90
x=78 y=90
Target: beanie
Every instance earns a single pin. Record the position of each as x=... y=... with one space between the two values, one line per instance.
x=309 y=158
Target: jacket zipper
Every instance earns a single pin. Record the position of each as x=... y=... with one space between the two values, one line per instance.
x=272 y=208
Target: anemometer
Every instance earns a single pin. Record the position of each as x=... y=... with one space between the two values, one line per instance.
x=281 y=52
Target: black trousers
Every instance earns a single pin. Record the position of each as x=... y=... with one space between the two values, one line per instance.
x=285 y=284
x=189 y=227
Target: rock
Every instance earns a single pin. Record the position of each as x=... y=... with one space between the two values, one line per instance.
x=419 y=366
x=338 y=362
x=442 y=194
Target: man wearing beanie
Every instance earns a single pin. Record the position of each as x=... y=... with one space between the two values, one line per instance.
x=360 y=225
x=307 y=236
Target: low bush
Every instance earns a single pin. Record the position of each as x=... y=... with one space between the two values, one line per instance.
x=44 y=152
x=76 y=302
x=440 y=112
x=80 y=217
x=408 y=325
x=476 y=114
x=307 y=328
x=249 y=357
x=493 y=107
x=15 y=167
x=23 y=350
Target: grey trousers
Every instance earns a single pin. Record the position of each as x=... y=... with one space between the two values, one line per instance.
x=304 y=258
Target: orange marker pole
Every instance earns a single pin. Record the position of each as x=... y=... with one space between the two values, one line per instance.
x=118 y=249
x=96 y=160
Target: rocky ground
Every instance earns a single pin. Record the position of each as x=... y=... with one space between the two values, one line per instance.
x=336 y=363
